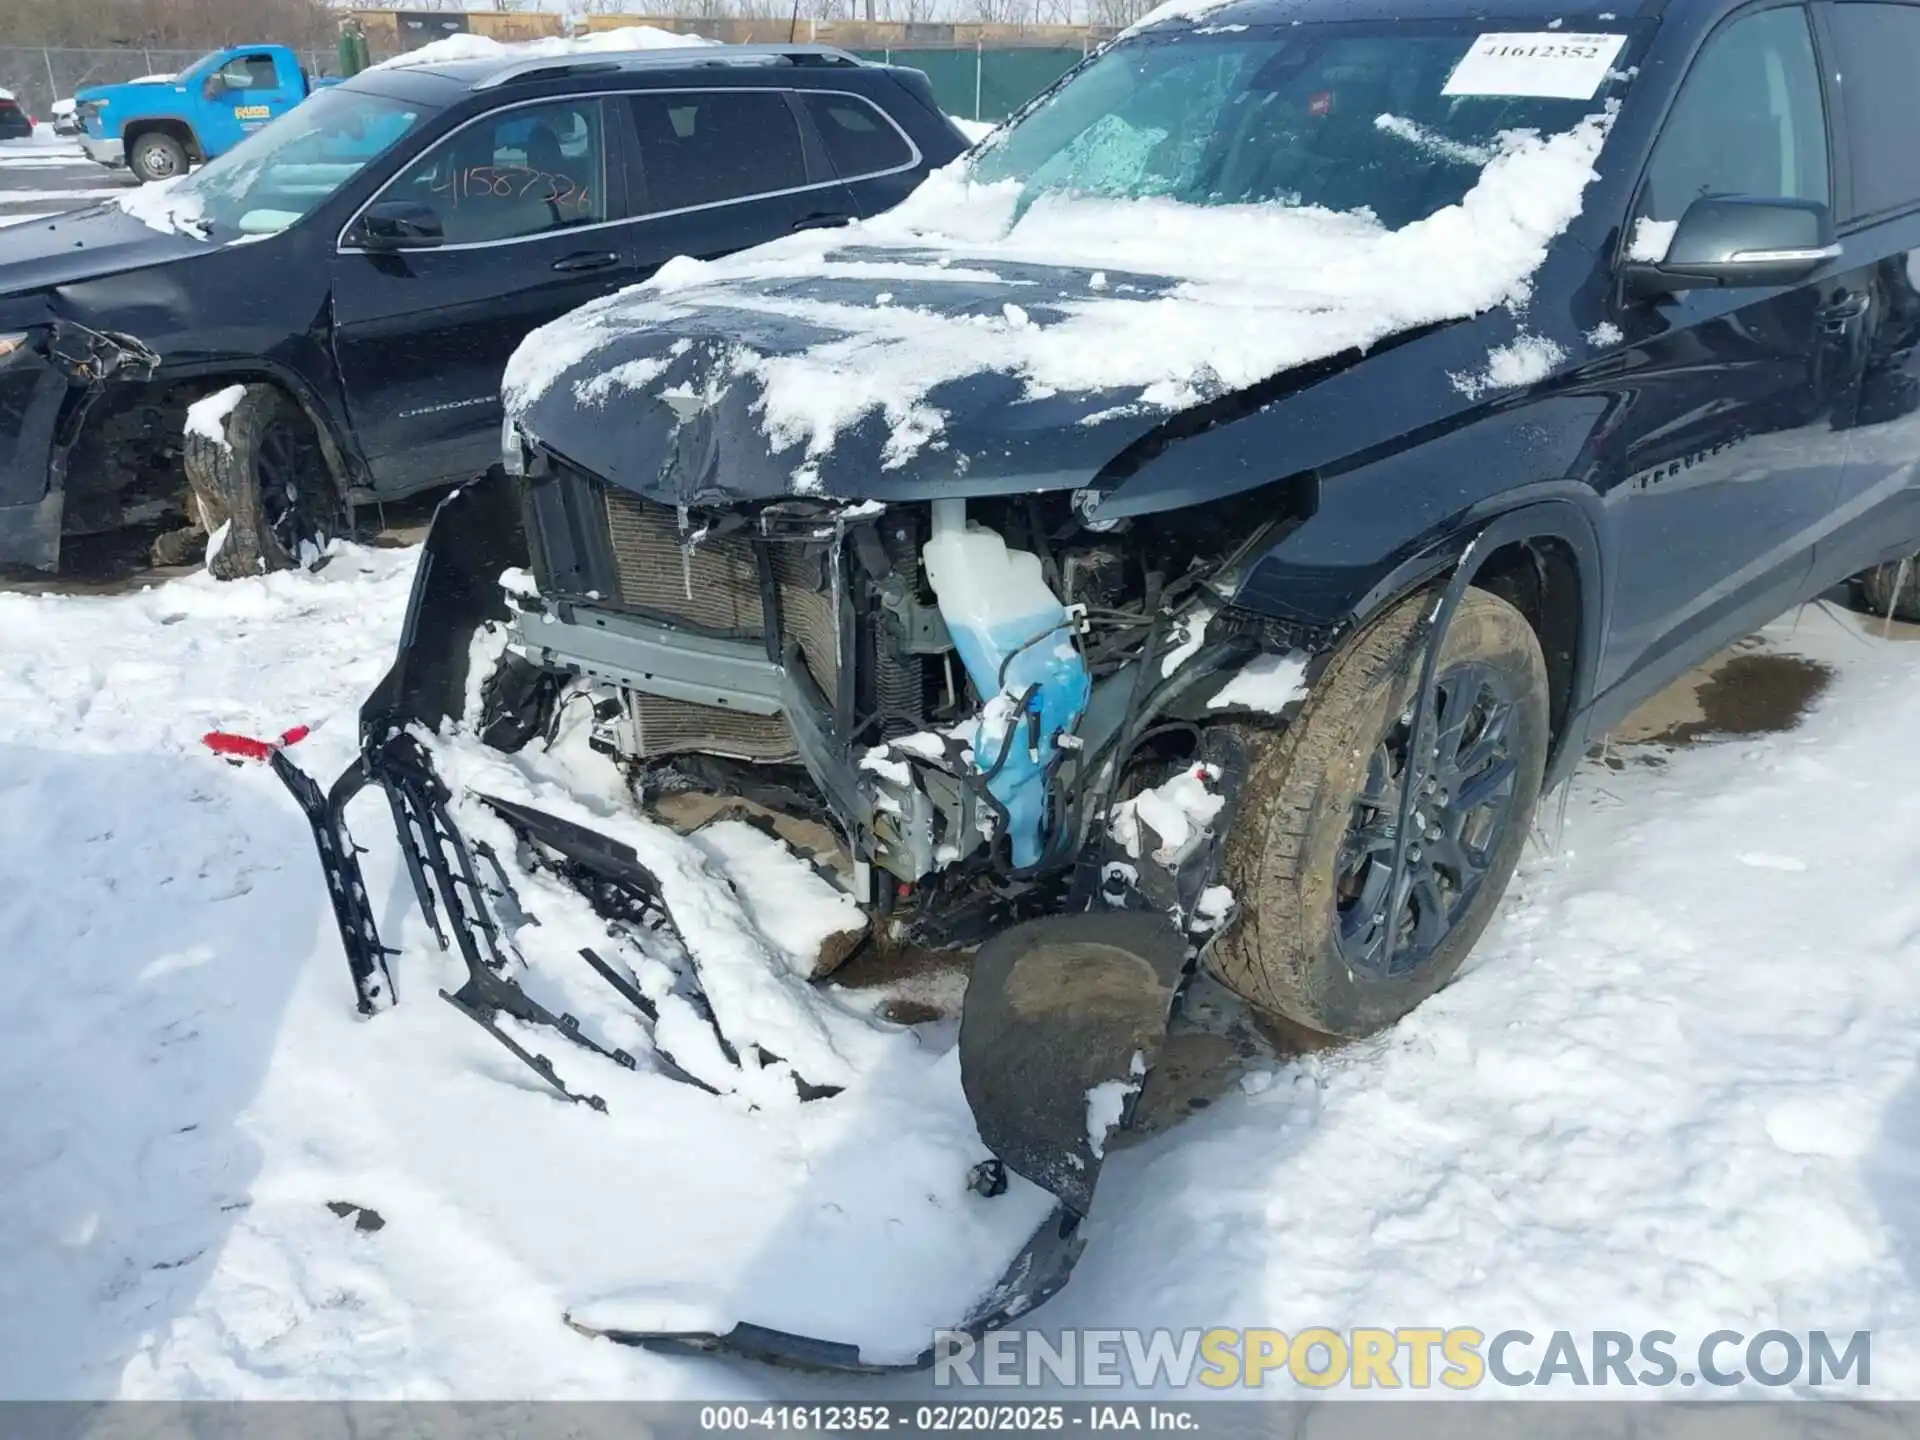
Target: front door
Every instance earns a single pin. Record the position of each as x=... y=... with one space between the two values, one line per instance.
x=244 y=94
x=1727 y=433
x=1878 y=514
x=530 y=201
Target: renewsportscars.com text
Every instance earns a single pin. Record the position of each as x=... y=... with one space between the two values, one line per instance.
x=1409 y=1357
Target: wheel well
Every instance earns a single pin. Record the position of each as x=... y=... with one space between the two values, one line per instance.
x=178 y=129
x=123 y=468
x=125 y=465
x=1540 y=578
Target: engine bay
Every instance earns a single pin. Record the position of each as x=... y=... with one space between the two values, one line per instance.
x=960 y=690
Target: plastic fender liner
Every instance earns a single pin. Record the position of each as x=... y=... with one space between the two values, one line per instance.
x=1514 y=525
x=1560 y=512
x=1057 y=1010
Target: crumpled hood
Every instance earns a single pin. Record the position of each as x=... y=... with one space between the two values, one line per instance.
x=675 y=407
x=981 y=338
x=83 y=245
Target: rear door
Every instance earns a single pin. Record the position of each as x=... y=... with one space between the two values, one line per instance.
x=1731 y=402
x=720 y=170
x=1877 y=57
x=532 y=201
x=874 y=157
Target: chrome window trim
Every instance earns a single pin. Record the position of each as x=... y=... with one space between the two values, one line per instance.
x=914 y=156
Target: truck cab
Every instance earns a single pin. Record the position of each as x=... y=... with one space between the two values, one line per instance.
x=160 y=127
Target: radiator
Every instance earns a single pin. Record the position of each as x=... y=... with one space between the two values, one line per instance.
x=714 y=588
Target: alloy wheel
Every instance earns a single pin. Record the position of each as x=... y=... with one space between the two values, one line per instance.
x=296 y=503
x=1466 y=800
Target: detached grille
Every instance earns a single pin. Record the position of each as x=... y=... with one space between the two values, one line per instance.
x=714 y=589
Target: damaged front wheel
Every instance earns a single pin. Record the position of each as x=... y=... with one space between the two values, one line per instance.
x=261 y=484
x=1312 y=857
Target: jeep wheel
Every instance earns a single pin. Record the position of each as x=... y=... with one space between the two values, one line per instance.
x=1892 y=589
x=268 y=483
x=157 y=156
x=1310 y=855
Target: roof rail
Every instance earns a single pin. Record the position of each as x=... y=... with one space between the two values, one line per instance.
x=677 y=57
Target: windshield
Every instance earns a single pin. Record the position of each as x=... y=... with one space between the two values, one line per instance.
x=278 y=174
x=1395 y=121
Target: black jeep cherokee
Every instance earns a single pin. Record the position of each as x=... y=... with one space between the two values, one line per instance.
x=1107 y=502
x=365 y=266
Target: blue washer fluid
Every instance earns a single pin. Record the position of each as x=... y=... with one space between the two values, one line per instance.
x=1012 y=634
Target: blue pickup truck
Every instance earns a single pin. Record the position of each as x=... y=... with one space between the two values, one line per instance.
x=158 y=128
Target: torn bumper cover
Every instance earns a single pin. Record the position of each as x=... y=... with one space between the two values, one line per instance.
x=1063 y=1020
x=43 y=363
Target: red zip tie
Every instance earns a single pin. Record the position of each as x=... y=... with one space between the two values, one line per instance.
x=245 y=747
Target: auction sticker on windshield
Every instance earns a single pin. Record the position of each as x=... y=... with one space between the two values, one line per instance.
x=1546 y=65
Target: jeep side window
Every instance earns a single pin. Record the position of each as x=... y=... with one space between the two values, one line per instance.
x=1877 y=45
x=523 y=172
x=1749 y=121
x=711 y=146
x=859 y=139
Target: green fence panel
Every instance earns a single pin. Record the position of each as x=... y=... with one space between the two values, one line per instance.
x=1010 y=78
x=950 y=71
x=983 y=85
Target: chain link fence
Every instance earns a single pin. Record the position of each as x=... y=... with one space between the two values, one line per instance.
x=38 y=76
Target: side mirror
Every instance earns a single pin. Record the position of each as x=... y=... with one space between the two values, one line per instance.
x=1739 y=241
x=391 y=225
x=215 y=87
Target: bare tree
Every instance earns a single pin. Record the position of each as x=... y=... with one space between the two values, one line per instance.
x=166 y=24
x=1117 y=14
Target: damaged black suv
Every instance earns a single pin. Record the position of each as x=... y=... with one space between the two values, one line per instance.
x=1462 y=348
x=1197 y=526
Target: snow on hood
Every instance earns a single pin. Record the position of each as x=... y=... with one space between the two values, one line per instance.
x=164 y=207
x=1249 y=292
x=485 y=47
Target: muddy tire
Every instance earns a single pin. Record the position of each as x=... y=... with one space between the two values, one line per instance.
x=516 y=703
x=1310 y=853
x=1892 y=590
x=157 y=156
x=267 y=482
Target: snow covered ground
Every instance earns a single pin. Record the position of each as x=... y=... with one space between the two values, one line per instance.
x=1679 y=1087
x=48 y=174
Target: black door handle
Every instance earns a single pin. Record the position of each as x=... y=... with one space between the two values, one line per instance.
x=822 y=222
x=587 y=260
